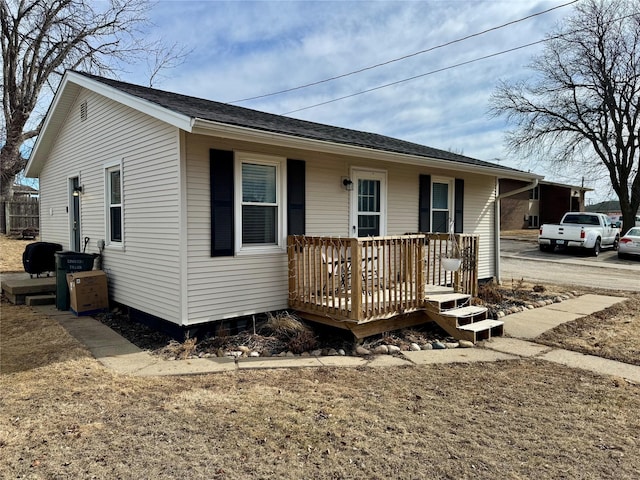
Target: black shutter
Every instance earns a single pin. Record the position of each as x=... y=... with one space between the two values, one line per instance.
x=295 y=197
x=459 y=206
x=221 y=174
x=424 y=204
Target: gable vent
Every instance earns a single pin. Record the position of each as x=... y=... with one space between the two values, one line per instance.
x=83 y=111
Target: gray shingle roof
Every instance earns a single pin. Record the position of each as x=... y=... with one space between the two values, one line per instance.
x=245 y=117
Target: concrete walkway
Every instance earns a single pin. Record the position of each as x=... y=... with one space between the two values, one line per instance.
x=117 y=353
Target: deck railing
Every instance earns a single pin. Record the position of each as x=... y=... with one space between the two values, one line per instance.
x=360 y=279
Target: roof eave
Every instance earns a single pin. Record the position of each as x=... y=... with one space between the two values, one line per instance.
x=68 y=90
x=235 y=132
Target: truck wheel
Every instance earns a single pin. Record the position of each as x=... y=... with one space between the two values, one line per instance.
x=596 y=248
x=616 y=242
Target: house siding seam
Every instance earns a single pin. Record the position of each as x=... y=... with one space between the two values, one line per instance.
x=145 y=274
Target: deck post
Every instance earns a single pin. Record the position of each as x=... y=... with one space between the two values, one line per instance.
x=356 y=280
x=420 y=267
x=292 y=270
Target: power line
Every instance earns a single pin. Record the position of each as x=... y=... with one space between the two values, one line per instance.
x=440 y=70
x=379 y=87
x=404 y=57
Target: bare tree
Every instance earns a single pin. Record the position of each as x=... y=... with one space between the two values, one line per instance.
x=43 y=38
x=581 y=107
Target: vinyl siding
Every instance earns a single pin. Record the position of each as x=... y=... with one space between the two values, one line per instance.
x=145 y=273
x=225 y=287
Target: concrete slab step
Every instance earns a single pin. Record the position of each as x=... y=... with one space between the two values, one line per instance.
x=33 y=300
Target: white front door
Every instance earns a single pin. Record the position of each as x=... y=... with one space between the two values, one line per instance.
x=368 y=203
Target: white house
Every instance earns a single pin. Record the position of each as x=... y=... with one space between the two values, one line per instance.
x=193 y=200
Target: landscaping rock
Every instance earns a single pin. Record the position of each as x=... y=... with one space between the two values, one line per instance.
x=360 y=350
x=438 y=345
x=381 y=349
x=451 y=344
x=466 y=344
x=414 y=347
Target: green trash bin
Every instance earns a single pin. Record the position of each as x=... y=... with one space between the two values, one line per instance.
x=69 y=262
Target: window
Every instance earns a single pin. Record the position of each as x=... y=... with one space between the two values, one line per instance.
x=441 y=191
x=114 y=204
x=533 y=221
x=368 y=208
x=260 y=193
x=440 y=200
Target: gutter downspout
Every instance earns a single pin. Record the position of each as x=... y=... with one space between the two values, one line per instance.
x=496 y=242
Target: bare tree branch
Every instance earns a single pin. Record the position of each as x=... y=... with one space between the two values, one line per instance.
x=43 y=38
x=583 y=107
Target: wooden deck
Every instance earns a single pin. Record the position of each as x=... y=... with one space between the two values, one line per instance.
x=383 y=280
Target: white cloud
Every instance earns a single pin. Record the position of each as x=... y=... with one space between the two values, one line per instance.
x=244 y=49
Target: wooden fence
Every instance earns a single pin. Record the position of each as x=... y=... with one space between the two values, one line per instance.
x=20 y=214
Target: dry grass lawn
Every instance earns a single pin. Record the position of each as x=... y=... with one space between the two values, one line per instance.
x=63 y=415
x=11 y=253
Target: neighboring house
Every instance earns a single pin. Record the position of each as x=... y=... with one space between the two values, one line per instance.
x=612 y=209
x=608 y=207
x=545 y=203
x=194 y=199
x=23 y=191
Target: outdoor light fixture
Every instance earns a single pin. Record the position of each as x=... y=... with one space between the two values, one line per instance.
x=348 y=183
x=77 y=190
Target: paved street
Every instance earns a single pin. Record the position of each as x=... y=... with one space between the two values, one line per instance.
x=523 y=259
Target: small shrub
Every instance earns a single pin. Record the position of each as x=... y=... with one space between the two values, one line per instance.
x=283 y=323
x=517 y=287
x=490 y=293
x=302 y=341
x=181 y=350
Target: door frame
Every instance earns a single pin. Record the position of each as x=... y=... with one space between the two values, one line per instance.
x=357 y=173
x=75 y=214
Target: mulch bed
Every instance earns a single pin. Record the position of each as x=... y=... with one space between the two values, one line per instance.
x=283 y=333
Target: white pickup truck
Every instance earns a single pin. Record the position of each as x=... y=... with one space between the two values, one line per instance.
x=589 y=231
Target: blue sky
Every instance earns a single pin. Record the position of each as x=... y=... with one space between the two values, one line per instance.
x=244 y=49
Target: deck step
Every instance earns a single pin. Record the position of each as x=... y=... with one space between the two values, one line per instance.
x=464 y=312
x=481 y=325
x=437 y=290
x=446 y=297
x=482 y=330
